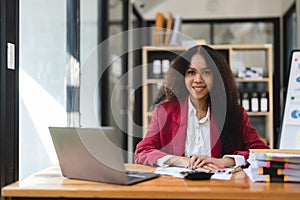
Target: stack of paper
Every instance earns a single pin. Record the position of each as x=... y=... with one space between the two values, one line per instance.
x=274 y=165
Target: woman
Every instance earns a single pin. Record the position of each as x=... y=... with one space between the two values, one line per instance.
x=198 y=122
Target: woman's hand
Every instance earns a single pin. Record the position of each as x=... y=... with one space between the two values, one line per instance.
x=209 y=163
x=178 y=161
x=183 y=162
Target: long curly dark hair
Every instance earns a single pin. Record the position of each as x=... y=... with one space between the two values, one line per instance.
x=223 y=97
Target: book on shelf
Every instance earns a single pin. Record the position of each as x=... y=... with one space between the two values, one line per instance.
x=169 y=28
x=176 y=30
x=159 y=26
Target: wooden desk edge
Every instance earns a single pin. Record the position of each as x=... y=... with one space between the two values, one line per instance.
x=150 y=189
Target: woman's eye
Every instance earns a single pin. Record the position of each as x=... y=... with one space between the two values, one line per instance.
x=190 y=72
x=206 y=72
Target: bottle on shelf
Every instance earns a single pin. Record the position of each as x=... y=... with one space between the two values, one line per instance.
x=156 y=69
x=254 y=101
x=239 y=98
x=245 y=102
x=264 y=101
x=165 y=65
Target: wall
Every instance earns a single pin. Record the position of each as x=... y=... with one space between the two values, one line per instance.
x=286 y=4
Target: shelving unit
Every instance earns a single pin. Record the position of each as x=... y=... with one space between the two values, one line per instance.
x=237 y=56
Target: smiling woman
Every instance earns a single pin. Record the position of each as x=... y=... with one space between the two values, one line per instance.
x=198 y=122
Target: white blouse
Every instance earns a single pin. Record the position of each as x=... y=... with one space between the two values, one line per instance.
x=198 y=133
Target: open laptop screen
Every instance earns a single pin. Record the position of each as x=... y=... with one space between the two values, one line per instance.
x=93 y=154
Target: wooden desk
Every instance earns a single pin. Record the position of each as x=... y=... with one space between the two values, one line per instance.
x=49 y=183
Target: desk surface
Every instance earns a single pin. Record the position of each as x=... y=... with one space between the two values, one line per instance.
x=50 y=183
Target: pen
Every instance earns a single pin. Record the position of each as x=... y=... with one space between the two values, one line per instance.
x=234 y=169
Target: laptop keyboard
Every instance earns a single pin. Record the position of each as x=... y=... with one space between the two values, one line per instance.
x=132 y=178
x=131 y=175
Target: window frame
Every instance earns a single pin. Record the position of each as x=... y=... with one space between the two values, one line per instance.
x=9 y=118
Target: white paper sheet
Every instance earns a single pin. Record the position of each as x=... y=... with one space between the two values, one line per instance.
x=175 y=172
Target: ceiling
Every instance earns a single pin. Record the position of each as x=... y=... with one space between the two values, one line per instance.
x=212 y=9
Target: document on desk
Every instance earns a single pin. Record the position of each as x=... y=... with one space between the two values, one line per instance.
x=176 y=172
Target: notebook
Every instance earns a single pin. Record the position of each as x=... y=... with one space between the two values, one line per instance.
x=93 y=154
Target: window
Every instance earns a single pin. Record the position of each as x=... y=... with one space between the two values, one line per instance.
x=60 y=70
x=43 y=59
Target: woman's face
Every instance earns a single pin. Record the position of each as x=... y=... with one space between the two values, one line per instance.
x=198 y=79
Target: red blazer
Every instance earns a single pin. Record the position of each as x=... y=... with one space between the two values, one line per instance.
x=168 y=129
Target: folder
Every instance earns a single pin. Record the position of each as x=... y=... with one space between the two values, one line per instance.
x=292 y=156
x=274 y=178
x=276 y=164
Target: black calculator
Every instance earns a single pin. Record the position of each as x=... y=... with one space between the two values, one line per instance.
x=197 y=175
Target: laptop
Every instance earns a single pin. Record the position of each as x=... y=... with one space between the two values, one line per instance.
x=93 y=154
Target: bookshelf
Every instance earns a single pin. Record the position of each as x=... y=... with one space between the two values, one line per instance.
x=238 y=57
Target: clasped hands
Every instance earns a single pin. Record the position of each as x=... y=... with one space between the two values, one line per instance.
x=210 y=164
